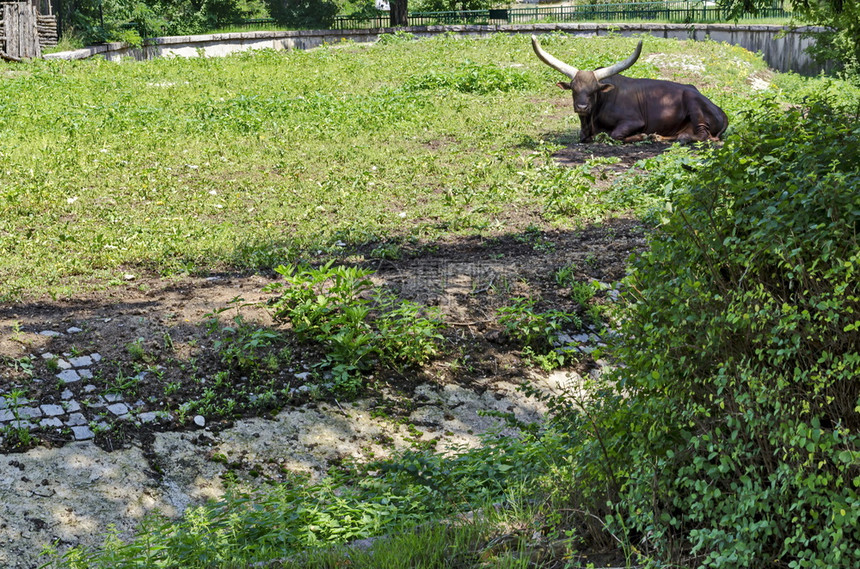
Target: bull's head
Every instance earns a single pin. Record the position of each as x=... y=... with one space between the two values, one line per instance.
x=585 y=84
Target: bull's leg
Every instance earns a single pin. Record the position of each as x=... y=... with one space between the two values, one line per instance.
x=629 y=131
x=585 y=131
x=635 y=138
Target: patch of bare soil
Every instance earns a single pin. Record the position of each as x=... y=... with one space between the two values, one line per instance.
x=626 y=154
x=98 y=383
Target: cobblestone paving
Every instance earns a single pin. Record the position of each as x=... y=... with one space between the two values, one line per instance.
x=81 y=409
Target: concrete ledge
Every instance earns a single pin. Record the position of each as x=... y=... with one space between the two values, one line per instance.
x=782 y=47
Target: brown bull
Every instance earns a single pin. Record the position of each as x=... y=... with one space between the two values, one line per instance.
x=631 y=109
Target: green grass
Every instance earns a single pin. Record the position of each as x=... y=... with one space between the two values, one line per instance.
x=195 y=165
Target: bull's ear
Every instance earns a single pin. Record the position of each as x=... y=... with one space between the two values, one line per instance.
x=564 y=85
x=606 y=87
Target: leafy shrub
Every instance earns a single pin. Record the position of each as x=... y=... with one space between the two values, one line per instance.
x=356 y=323
x=303 y=13
x=736 y=441
x=399 y=36
x=472 y=77
x=536 y=330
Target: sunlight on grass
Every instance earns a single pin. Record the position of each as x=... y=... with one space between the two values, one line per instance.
x=194 y=165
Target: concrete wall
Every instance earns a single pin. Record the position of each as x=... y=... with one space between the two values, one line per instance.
x=782 y=48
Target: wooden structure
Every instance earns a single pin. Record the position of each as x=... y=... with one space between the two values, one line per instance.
x=24 y=31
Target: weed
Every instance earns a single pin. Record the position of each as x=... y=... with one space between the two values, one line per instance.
x=17 y=437
x=581 y=292
x=23 y=366
x=52 y=364
x=357 y=324
x=537 y=330
x=17 y=333
x=136 y=351
x=123 y=384
x=243 y=346
x=565 y=276
x=14 y=399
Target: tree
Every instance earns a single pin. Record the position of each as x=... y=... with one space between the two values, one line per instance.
x=840 y=42
x=303 y=13
x=398 y=14
x=455 y=5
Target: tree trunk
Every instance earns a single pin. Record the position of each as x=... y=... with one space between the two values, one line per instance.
x=398 y=15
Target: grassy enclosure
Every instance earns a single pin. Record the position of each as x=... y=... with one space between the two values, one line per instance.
x=190 y=166
x=735 y=403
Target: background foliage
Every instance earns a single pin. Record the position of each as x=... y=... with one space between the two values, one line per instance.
x=838 y=43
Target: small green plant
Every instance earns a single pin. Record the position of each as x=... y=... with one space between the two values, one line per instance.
x=357 y=324
x=536 y=330
x=136 y=350
x=552 y=359
x=14 y=400
x=18 y=437
x=246 y=348
x=17 y=333
x=53 y=364
x=122 y=384
x=581 y=292
x=565 y=276
x=23 y=365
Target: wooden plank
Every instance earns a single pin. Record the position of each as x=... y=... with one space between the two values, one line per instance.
x=29 y=31
x=21 y=31
x=13 y=42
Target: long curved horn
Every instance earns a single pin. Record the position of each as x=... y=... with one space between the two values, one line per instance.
x=605 y=72
x=556 y=64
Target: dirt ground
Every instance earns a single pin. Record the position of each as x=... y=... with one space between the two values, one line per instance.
x=154 y=349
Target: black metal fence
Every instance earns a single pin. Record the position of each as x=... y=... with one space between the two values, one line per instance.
x=683 y=11
x=673 y=11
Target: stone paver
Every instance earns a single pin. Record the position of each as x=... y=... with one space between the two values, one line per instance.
x=69 y=412
x=118 y=409
x=76 y=419
x=82 y=433
x=29 y=412
x=81 y=361
x=52 y=410
x=69 y=376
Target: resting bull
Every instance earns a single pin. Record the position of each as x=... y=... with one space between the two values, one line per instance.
x=631 y=109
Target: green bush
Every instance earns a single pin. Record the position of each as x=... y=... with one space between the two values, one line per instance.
x=357 y=324
x=303 y=13
x=472 y=77
x=734 y=431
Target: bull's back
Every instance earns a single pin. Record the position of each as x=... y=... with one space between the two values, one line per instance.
x=666 y=108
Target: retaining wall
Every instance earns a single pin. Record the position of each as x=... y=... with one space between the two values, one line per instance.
x=782 y=47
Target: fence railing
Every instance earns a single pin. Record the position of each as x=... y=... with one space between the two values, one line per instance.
x=670 y=11
x=683 y=11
